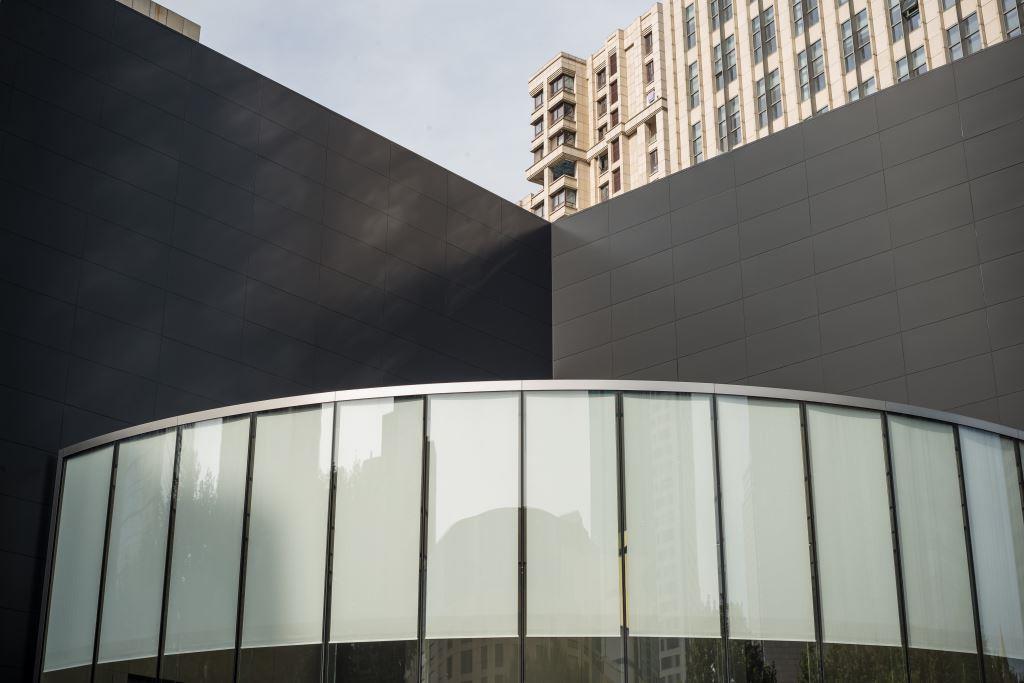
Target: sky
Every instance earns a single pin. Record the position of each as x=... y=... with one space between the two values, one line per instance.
x=445 y=78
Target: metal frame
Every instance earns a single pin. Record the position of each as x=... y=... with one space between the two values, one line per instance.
x=422 y=392
x=970 y=552
x=897 y=551
x=812 y=539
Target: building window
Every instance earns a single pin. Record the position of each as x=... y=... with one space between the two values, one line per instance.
x=564 y=167
x=729 y=125
x=564 y=82
x=948 y=4
x=866 y=88
x=538 y=99
x=769 y=99
x=762 y=30
x=650 y=97
x=904 y=17
x=616 y=180
x=602 y=77
x=648 y=43
x=805 y=15
x=964 y=38
x=918 y=62
x=812 y=75
x=602 y=106
x=649 y=72
x=721 y=11
x=602 y=131
x=615 y=150
x=902 y=70
x=566 y=137
x=693 y=73
x=613 y=64
x=538 y=154
x=614 y=118
x=602 y=192
x=725 y=62
x=691 y=27
x=652 y=161
x=697 y=143
x=613 y=92
x=602 y=163
x=538 y=127
x=1011 y=18
x=563 y=111
x=856 y=43
x=869 y=86
x=564 y=197
x=652 y=129
x=539 y=209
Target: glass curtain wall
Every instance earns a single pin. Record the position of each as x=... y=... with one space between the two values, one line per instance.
x=764 y=518
x=672 y=558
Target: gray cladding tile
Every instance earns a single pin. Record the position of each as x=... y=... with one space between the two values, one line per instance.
x=998 y=192
x=774 y=229
x=726 y=363
x=581 y=297
x=596 y=362
x=867 y=363
x=889 y=390
x=917 y=96
x=1001 y=235
x=642 y=276
x=357 y=143
x=836 y=128
x=860 y=322
x=955 y=384
x=1006 y=323
x=702 y=181
x=665 y=372
x=581 y=263
x=939 y=255
x=639 y=205
x=805 y=376
x=855 y=282
x=851 y=242
x=644 y=350
x=706 y=253
x=941 y=298
x=714 y=288
x=643 y=312
x=989 y=68
x=1004 y=278
x=946 y=341
x=1009 y=366
x=848 y=202
x=704 y=216
x=578 y=229
x=474 y=201
x=782 y=346
x=930 y=215
x=987 y=410
x=992 y=108
x=582 y=333
x=416 y=247
x=780 y=306
x=777 y=151
x=920 y=136
x=640 y=240
x=995 y=149
x=844 y=164
x=925 y=174
x=1011 y=407
x=772 y=191
x=418 y=210
x=710 y=329
x=778 y=267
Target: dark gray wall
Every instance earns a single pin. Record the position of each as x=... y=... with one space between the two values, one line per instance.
x=178 y=232
x=877 y=250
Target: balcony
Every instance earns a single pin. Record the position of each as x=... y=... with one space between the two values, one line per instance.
x=535 y=173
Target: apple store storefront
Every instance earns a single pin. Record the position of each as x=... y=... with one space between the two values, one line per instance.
x=548 y=531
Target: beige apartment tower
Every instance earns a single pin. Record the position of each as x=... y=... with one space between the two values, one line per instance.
x=690 y=79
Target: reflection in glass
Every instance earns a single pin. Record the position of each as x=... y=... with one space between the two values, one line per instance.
x=857 y=574
x=672 y=563
x=284 y=587
x=766 y=661
x=574 y=660
x=997 y=540
x=375 y=583
x=682 y=660
x=76 y=567
x=931 y=666
x=572 y=563
x=473 y=512
x=764 y=515
x=202 y=603
x=472 y=660
x=376 y=662
x=133 y=590
x=933 y=549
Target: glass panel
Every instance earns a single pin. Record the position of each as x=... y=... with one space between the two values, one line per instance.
x=77 y=561
x=934 y=552
x=375 y=584
x=997 y=540
x=377 y=662
x=767 y=661
x=472 y=529
x=572 y=562
x=284 y=588
x=764 y=516
x=202 y=604
x=846 y=663
x=672 y=570
x=134 y=584
x=574 y=660
x=472 y=660
x=854 y=536
x=682 y=660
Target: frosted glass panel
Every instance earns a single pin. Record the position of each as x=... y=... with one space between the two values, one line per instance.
x=997 y=539
x=854 y=536
x=284 y=589
x=203 y=601
x=572 y=565
x=138 y=548
x=768 y=568
x=672 y=565
x=77 y=560
x=377 y=520
x=472 y=527
x=934 y=552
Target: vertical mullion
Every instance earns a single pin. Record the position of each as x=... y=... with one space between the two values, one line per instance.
x=172 y=514
x=329 y=566
x=103 y=564
x=812 y=539
x=723 y=604
x=970 y=552
x=51 y=556
x=897 y=551
x=421 y=619
x=522 y=536
x=244 y=554
x=620 y=466
x=1020 y=473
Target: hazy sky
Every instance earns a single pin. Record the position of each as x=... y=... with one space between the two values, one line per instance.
x=445 y=78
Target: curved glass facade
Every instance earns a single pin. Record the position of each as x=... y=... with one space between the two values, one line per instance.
x=542 y=531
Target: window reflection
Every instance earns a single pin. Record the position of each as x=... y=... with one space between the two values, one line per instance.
x=472 y=660
x=675 y=660
x=579 y=660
